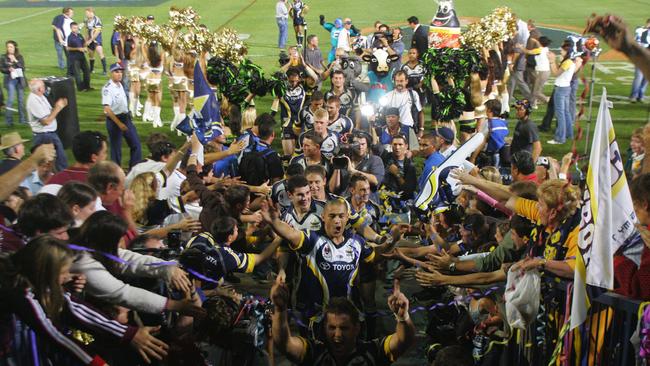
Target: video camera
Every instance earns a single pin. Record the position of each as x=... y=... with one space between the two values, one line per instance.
x=342 y=153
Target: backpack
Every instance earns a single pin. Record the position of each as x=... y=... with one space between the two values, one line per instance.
x=253 y=168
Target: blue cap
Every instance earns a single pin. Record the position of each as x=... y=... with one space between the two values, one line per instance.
x=116 y=66
x=446 y=133
x=338 y=23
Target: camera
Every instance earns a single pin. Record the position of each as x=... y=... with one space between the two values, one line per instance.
x=342 y=153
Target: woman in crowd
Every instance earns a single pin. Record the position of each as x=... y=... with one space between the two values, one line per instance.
x=108 y=263
x=12 y=65
x=32 y=284
x=80 y=198
x=562 y=93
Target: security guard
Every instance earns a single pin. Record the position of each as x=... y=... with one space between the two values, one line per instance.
x=118 y=118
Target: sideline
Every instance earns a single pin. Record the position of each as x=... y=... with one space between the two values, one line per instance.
x=237 y=14
x=28 y=16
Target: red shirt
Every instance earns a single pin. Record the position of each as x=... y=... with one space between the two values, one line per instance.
x=632 y=281
x=68 y=174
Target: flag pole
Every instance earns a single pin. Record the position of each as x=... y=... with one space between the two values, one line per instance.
x=592 y=81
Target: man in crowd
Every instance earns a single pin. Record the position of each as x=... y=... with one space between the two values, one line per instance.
x=525 y=136
x=313 y=54
x=94 y=40
x=361 y=162
x=42 y=174
x=401 y=176
x=330 y=139
x=77 y=64
x=420 y=40
x=341 y=333
x=394 y=128
x=60 y=31
x=411 y=113
x=311 y=152
x=12 y=146
x=523 y=167
x=338 y=122
x=307 y=113
x=433 y=158
x=281 y=17
x=88 y=148
x=640 y=83
x=445 y=141
x=42 y=120
x=118 y=118
x=345 y=95
x=108 y=180
x=290 y=106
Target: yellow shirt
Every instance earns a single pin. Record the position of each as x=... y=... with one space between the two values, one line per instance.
x=530 y=210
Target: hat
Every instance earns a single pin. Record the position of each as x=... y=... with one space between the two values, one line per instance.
x=467 y=116
x=479 y=112
x=446 y=133
x=11 y=139
x=392 y=111
x=525 y=103
x=543 y=161
x=338 y=23
x=150 y=17
x=116 y=66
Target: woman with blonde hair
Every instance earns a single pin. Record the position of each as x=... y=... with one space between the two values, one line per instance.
x=150 y=212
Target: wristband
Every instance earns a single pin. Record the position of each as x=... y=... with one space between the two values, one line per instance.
x=404 y=319
x=562 y=176
x=452 y=267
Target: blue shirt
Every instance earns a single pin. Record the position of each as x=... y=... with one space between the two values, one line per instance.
x=498 y=132
x=220 y=260
x=433 y=161
x=379 y=86
x=76 y=41
x=58 y=23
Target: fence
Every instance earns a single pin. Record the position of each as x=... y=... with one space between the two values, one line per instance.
x=604 y=338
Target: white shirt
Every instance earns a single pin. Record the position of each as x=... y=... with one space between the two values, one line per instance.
x=281 y=10
x=403 y=101
x=564 y=79
x=38 y=107
x=66 y=29
x=114 y=96
x=541 y=61
x=172 y=187
x=344 y=40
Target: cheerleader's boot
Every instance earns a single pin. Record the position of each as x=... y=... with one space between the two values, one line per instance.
x=146 y=115
x=157 y=122
x=176 y=120
x=132 y=102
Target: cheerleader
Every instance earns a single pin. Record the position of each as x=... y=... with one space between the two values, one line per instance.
x=154 y=82
x=134 y=58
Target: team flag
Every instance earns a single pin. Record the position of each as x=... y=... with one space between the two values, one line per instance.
x=205 y=119
x=608 y=217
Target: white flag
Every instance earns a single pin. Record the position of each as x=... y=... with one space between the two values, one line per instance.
x=608 y=216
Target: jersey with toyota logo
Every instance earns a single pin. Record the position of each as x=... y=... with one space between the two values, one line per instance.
x=329 y=270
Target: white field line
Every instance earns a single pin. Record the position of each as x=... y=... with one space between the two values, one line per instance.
x=29 y=16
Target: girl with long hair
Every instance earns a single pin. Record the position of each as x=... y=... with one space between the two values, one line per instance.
x=32 y=286
x=103 y=232
x=12 y=65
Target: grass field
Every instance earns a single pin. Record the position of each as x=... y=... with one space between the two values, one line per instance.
x=30 y=27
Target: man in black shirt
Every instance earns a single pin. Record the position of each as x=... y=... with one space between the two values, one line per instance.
x=12 y=146
x=77 y=58
x=526 y=136
x=342 y=344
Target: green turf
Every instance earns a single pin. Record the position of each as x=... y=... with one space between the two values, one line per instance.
x=33 y=33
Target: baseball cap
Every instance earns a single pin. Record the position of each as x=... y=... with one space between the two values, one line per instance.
x=392 y=111
x=338 y=23
x=446 y=133
x=116 y=66
x=150 y=17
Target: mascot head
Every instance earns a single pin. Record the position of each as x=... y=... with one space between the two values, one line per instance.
x=446 y=15
x=380 y=61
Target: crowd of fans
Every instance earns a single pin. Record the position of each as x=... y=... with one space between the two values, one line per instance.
x=94 y=257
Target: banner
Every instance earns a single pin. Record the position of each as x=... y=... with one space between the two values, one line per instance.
x=608 y=216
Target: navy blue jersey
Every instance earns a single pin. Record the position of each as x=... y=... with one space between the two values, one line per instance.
x=220 y=260
x=290 y=105
x=330 y=269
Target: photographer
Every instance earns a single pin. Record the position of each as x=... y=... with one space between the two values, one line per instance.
x=401 y=176
x=407 y=101
x=361 y=161
x=395 y=128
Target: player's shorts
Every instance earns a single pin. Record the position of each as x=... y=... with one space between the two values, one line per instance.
x=288 y=133
x=298 y=21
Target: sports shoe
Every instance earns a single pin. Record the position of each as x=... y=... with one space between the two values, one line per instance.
x=553 y=142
